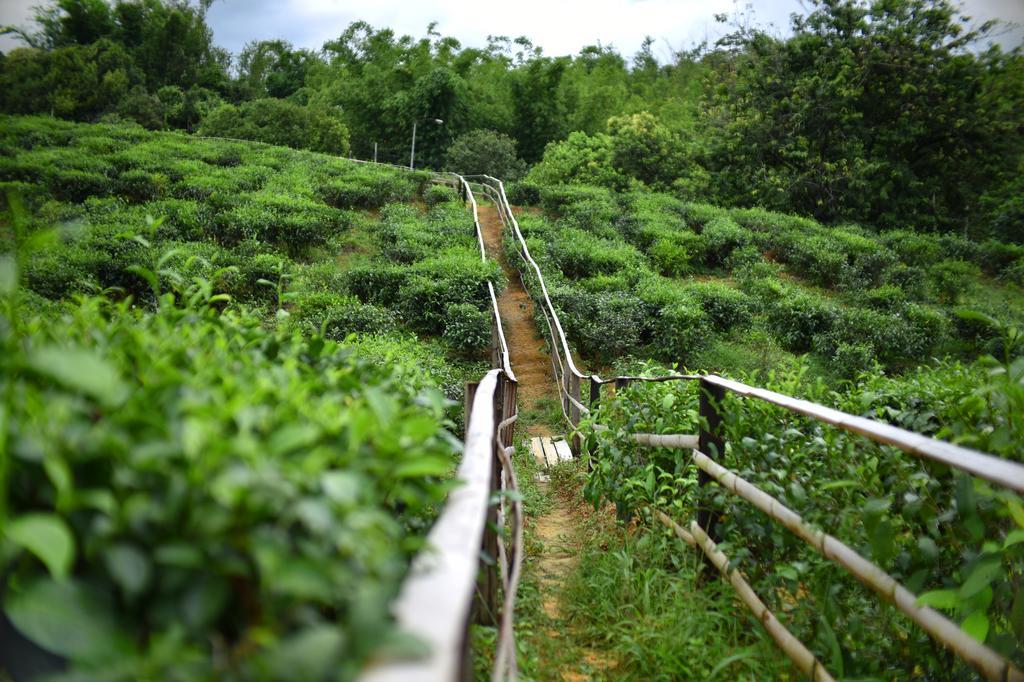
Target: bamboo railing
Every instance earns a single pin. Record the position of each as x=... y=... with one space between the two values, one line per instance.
x=987 y=662
x=469 y=572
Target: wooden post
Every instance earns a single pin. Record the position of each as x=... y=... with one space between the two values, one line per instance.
x=469 y=394
x=495 y=343
x=487 y=589
x=712 y=444
x=574 y=411
x=595 y=400
x=565 y=390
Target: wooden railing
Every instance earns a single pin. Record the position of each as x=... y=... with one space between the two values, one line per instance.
x=709 y=444
x=701 y=533
x=470 y=571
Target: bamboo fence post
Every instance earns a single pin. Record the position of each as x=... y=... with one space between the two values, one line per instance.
x=710 y=442
x=595 y=400
x=487 y=587
x=574 y=411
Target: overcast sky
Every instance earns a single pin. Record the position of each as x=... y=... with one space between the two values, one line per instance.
x=559 y=27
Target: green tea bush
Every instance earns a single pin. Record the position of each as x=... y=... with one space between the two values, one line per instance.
x=956 y=247
x=580 y=254
x=588 y=208
x=867 y=259
x=61 y=270
x=818 y=258
x=434 y=284
x=601 y=325
x=186 y=464
x=898 y=339
x=620 y=281
x=726 y=307
x=278 y=219
x=404 y=236
x=336 y=316
x=995 y=257
x=911 y=279
x=183 y=219
x=141 y=186
x=437 y=194
x=369 y=188
x=798 y=316
x=721 y=236
x=523 y=193
x=913 y=248
x=744 y=258
x=680 y=330
x=951 y=279
x=852 y=359
x=376 y=283
x=677 y=253
x=196 y=261
x=467 y=329
x=886 y=298
x=699 y=215
x=77 y=185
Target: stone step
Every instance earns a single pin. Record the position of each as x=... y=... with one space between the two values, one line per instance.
x=550 y=452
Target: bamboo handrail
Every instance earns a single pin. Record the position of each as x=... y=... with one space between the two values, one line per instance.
x=983 y=659
x=435 y=600
x=996 y=470
x=784 y=639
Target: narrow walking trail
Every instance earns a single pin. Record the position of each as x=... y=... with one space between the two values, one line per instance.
x=526 y=348
x=556 y=528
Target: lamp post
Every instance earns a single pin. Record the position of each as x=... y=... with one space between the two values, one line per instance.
x=412 y=152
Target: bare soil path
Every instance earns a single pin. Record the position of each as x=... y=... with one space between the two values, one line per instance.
x=526 y=348
x=557 y=528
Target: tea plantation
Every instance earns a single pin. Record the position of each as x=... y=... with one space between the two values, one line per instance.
x=648 y=275
x=914 y=329
x=228 y=416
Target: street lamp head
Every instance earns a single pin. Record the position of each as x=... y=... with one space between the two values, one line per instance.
x=438 y=121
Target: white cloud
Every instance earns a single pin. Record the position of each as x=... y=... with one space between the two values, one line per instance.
x=560 y=27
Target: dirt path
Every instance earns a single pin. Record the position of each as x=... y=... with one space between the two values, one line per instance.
x=557 y=527
x=529 y=361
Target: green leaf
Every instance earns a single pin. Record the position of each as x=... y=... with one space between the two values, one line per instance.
x=972 y=315
x=928 y=547
x=310 y=654
x=1013 y=538
x=48 y=537
x=68 y=619
x=293 y=437
x=1016 y=510
x=80 y=370
x=204 y=601
x=976 y=625
x=342 y=486
x=938 y=599
x=423 y=466
x=1017 y=614
x=832 y=485
x=982 y=575
x=129 y=567
x=8 y=274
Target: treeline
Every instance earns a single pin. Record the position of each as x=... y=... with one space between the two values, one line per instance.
x=891 y=113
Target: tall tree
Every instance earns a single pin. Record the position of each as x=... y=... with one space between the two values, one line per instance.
x=873 y=112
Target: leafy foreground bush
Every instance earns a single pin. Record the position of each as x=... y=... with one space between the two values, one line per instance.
x=189 y=496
